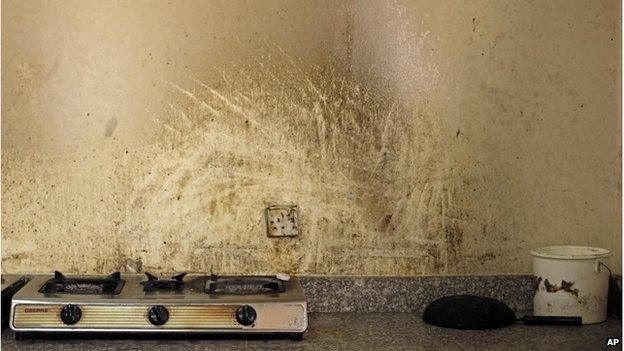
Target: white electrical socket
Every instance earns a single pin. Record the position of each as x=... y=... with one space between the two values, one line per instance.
x=282 y=220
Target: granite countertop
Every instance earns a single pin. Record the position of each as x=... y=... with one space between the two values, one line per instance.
x=361 y=331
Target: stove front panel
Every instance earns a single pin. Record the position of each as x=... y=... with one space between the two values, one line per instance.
x=199 y=318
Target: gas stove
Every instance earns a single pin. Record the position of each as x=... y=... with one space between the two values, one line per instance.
x=148 y=304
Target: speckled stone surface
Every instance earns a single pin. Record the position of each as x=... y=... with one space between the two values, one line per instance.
x=361 y=331
x=408 y=294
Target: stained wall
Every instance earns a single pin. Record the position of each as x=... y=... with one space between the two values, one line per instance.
x=416 y=137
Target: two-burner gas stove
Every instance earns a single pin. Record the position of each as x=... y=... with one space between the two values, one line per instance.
x=146 y=304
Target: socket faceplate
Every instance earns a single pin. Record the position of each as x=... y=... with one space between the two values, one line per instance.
x=282 y=220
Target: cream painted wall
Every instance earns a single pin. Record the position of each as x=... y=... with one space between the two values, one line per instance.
x=417 y=137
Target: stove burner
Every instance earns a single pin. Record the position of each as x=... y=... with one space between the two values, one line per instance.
x=61 y=284
x=81 y=288
x=153 y=284
x=243 y=285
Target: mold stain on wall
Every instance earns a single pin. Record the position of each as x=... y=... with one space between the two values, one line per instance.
x=364 y=169
x=283 y=131
x=420 y=138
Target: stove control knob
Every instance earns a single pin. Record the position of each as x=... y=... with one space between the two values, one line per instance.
x=70 y=314
x=158 y=315
x=245 y=315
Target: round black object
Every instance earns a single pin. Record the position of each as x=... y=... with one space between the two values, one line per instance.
x=468 y=312
x=158 y=315
x=70 y=314
x=245 y=315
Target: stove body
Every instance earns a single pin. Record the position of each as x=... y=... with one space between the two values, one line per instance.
x=11 y=283
x=136 y=304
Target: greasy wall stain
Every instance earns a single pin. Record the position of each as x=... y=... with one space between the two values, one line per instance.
x=283 y=131
x=278 y=131
x=415 y=137
x=110 y=127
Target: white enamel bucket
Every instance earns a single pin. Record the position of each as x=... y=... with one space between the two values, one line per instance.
x=571 y=281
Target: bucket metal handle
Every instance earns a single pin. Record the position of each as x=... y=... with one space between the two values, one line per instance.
x=597 y=268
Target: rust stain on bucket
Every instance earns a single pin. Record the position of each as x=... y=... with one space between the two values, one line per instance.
x=565 y=286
